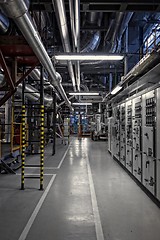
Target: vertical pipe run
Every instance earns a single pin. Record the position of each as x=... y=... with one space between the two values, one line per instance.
x=141 y=43
x=23 y=137
x=126 y=50
x=41 y=130
x=54 y=122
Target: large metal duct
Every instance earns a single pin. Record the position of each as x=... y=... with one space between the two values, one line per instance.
x=18 y=10
x=126 y=19
x=114 y=34
x=62 y=21
x=93 y=39
x=117 y=24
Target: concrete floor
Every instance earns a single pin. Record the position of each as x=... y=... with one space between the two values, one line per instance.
x=87 y=196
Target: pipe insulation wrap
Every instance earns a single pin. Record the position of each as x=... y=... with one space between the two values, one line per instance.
x=18 y=10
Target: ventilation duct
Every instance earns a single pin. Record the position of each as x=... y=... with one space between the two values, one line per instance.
x=18 y=10
x=112 y=40
x=93 y=40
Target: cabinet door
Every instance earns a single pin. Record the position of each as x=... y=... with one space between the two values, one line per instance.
x=149 y=180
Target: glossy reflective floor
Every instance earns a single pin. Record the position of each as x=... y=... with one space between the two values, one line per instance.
x=87 y=196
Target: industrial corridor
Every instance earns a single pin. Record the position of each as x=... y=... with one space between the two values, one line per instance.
x=86 y=196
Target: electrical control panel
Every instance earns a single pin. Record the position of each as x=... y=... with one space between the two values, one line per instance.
x=129 y=139
x=148 y=137
x=137 y=137
x=123 y=134
x=110 y=140
x=158 y=143
x=116 y=132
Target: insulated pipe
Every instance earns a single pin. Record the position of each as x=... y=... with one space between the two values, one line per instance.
x=72 y=22
x=84 y=87
x=64 y=102
x=75 y=31
x=33 y=94
x=77 y=35
x=35 y=74
x=18 y=10
x=62 y=21
x=4 y=23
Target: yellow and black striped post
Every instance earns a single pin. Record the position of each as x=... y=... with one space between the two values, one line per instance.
x=23 y=147
x=42 y=148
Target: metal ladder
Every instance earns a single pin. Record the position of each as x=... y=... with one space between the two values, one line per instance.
x=40 y=107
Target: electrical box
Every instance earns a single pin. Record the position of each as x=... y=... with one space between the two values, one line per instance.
x=110 y=144
x=123 y=134
x=158 y=143
x=116 y=132
x=137 y=137
x=148 y=136
x=129 y=137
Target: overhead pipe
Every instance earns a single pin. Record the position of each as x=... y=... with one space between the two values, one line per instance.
x=82 y=86
x=35 y=74
x=4 y=23
x=72 y=22
x=58 y=106
x=77 y=35
x=34 y=95
x=74 y=10
x=18 y=10
x=62 y=21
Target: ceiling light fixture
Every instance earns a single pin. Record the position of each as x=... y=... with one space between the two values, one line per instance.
x=82 y=104
x=84 y=93
x=88 y=57
x=116 y=89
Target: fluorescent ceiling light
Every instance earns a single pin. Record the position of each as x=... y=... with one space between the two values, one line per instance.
x=116 y=89
x=84 y=93
x=88 y=57
x=82 y=104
